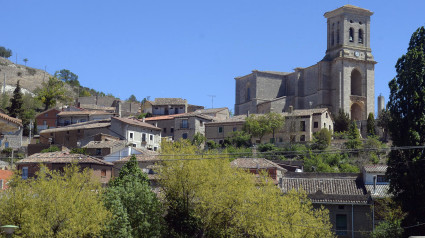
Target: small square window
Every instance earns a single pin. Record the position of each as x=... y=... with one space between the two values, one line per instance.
x=220 y=129
x=98 y=151
x=184 y=135
x=131 y=135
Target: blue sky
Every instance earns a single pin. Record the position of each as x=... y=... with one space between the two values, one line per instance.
x=191 y=49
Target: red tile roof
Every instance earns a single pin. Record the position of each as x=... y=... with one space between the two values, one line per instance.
x=11 y=119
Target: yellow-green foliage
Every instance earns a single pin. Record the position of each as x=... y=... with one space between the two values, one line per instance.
x=54 y=205
x=231 y=202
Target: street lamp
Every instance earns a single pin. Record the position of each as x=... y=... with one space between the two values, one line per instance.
x=9 y=229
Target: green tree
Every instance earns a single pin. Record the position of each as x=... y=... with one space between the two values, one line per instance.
x=52 y=148
x=25 y=61
x=371 y=124
x=322 y=139
x=198 y=139
x=209 y=198
x=276 y=122
x=68 y=77
x=354 y=141
x=5 y=53
x=5 y=100
x=392 y=216
x=407 y=128
x=132 y=98
x=15 y=109
x=342 y=121
x=55 y=204
x=240 y=139
x=136 y=210
x=384 y=119
x=51 y=92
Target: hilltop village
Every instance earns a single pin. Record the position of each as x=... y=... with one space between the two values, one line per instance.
x=301 y=154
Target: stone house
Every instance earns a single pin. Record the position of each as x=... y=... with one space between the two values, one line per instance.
x=10 y=132
x=343 y=79
x=165 y=106
x=102 y=170
x=165 y=122
x=257 y=165
x=137 y=133
x=218 y=131
x=72 y=136
x=299 y=127
x=187 y=125
x=110 y=104
x=66 y=118
x=343 y=194
x=99 y=149
x=47 y=119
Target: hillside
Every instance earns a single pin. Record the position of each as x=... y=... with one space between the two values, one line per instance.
x=30 y=78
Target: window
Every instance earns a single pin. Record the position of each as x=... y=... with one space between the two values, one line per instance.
x=382 y=179
x=46 y=114
x=341 y=224
x=280 y=139
x=220 y=129
x=302 y=138
x=131 y=135
x=360 y=36
x=337 y=36
x=235 y=129
x=155 y=148
x=184 y=124
x=201 y=123
x=98 y=151
x=44 y=123
x=332 y=38
x=316 y=124
x=351 y=35
x=327 y=115
x=143 y=137
x=151 y=137
x=78 y=130
x=324 y=125
x=165 y=130
x=184 y=135
x=134 y=145
x=24 y=172
x=302 y=125
x=103 y=173
x=172 y=130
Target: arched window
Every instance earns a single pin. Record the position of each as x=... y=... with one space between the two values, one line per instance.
x=356 y=83
x=356 y=112
x=360 y=36
x=351 y=35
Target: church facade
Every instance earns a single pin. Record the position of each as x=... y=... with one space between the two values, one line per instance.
x=343 y=79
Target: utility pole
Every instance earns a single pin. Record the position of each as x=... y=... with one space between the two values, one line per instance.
x=212 y=100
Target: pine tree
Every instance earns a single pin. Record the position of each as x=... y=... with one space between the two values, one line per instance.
x=370 y=124
x=342 y=121
x=15 y=109
x=407 y=128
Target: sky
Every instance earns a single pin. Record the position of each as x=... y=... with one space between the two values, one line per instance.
x=191 y=49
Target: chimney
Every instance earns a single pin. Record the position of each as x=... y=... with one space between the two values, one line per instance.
x=291 y=109
x=374 y=184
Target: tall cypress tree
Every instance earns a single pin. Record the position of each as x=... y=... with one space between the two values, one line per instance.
x=407 y=127
x=15 y=109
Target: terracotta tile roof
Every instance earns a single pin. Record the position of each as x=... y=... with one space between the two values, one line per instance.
x=136 y=122
x=84 y=113
x=375 y=168
x=196 y=114
x=254 y=163
x=51 y=109
x=168 y=101
x=61 y=157
x=81 y=125
x=147 y=155
x=11 y=119
x=164 y=117
x=327 y=187
x=104 y=144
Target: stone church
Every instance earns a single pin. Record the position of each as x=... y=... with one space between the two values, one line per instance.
x=343 y=79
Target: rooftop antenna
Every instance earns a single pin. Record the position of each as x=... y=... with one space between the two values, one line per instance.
x=212 y=100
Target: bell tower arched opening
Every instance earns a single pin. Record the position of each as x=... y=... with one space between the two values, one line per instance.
x=356 y=83
x=356 y=112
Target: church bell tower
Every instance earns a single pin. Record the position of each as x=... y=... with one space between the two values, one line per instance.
x=351 y=61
